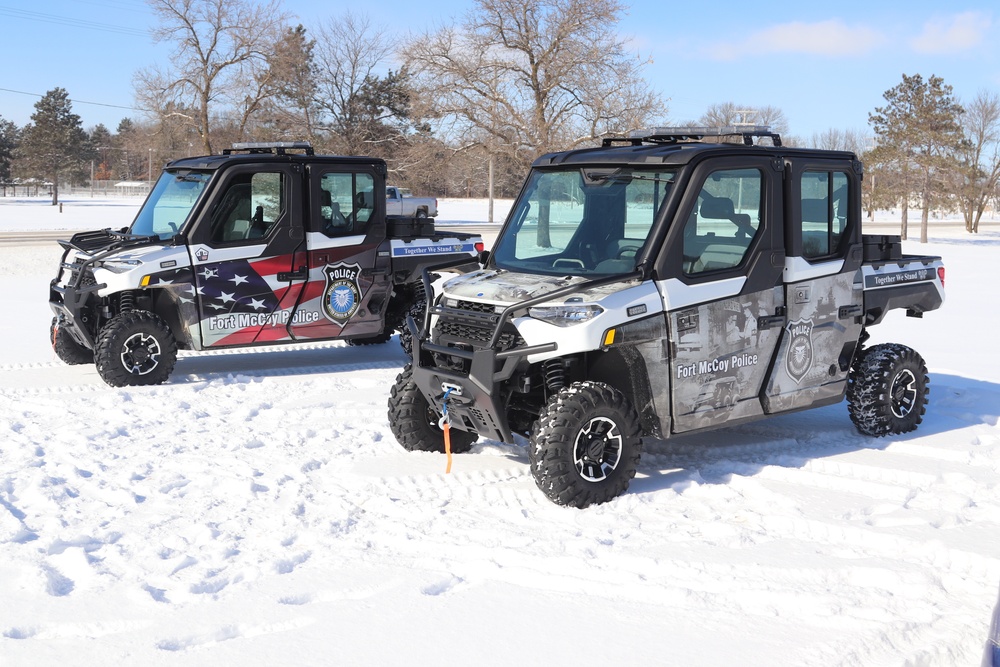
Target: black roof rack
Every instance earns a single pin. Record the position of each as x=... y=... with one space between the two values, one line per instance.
x=277 y=148
x=673 y=135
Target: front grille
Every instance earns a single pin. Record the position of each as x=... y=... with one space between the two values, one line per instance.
x=460 y=332
x=476 y=307
x=75 y=270
x=474 y=331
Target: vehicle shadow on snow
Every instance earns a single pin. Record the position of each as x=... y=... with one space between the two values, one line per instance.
x=284 y=361
x=793 y=440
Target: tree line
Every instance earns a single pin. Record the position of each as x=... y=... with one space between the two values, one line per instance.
x=467 y=107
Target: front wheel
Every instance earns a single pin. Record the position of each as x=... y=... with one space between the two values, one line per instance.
x=585 y=446
x=415 y=423
x=887 y=390
x=135 y=348
x=66 y=348
x=416 y=311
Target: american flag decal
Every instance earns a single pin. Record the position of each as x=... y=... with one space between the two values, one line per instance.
x=240 y=297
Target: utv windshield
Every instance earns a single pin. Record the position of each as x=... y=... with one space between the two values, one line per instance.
x=591 y=221
x=169 y=204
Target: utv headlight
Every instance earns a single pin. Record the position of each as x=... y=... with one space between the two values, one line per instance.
x=565 y=316
x=120 y=265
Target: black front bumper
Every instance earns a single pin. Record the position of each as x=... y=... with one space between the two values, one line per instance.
x=476 y=400
x=68 y=305
x=69 y=299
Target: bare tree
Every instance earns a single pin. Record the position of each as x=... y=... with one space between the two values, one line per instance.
x=725 y=114
x=883 y=182
x=220 y=47
x=356 y=99
x=980 y=155
x=533 y=76
x=836 y=139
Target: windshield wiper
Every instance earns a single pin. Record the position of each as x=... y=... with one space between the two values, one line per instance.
x=597 y=176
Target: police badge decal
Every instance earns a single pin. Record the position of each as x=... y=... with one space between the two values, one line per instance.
x=799 y=359
x=342 y=295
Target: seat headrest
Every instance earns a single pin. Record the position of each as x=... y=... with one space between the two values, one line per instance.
x=717 y=207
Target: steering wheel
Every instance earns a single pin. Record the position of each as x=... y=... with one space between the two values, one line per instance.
x=570 y=261
x=628 y=252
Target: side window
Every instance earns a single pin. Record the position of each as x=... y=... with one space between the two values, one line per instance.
x=250 y=207
x=825 y=198
x=346 y=204
x=725 y=221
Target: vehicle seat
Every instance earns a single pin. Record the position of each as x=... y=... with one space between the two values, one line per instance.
x=615 y=266
x=236 y=211
x=237 y=230
x=257 y=226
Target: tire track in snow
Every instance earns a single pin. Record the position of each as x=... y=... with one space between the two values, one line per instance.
x=182 y=379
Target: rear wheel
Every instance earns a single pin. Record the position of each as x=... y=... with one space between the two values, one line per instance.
x=887 y=390
x=585 y=446
x=66 y=348
x=415 y=423
x=134 y=349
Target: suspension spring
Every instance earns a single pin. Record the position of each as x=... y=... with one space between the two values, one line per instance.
x=555 y=374
x=126 y=302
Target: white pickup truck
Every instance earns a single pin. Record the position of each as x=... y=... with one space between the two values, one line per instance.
x=399 y=201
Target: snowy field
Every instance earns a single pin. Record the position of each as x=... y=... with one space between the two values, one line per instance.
x=257 y=510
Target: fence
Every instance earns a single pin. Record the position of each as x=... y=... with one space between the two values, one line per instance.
x=101 y=189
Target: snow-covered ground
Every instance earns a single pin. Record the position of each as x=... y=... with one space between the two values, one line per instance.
x=257 y=510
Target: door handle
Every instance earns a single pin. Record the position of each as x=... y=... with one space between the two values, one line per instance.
x=846 y=312
x=288 y=276
x=770 y=321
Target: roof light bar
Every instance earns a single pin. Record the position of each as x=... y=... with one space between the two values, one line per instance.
x=276 y=147
x=696 y=133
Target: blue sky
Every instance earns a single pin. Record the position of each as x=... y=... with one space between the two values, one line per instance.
x=825 y=64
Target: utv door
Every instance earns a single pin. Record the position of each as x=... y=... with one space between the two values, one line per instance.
x=247 y=250
x=822 y=286
x=349 y=273
x=723 y=292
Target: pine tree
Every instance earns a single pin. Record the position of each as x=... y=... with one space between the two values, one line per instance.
x=99 y=143
x=293 y=108
x=54 y=144
x=8 y=142
x=919 y=135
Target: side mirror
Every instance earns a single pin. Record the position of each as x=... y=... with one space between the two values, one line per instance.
x=484 y=257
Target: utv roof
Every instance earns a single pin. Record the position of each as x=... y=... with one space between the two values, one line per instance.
x=279 y=152
x=680 y=145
